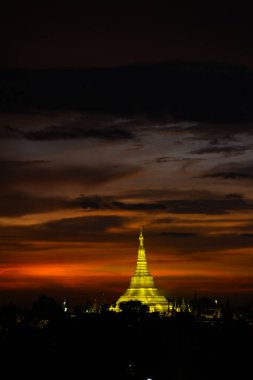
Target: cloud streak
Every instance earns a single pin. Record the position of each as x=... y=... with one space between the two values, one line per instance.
x=30 y=174
x=211 y=206
x=79 y=229
x=54 y=133
x=232 y=171
x=224 y=150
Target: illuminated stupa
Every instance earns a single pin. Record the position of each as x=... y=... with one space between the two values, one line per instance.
x=142 y=287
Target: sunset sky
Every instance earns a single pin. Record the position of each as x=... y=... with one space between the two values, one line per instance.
x=117 y=118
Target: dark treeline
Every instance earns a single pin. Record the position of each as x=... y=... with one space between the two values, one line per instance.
x=48 y=341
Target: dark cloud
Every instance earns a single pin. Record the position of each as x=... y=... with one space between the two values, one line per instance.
x=164 y=159
x=8 y=165
x=53 y=133
x=78 y=133
x=165 y=220
x=216 y=132
x=80 y=229
x=89 y=229
x=201 y=246
x=8 y=132
x=18 y=203
x=84 y=228
x=86 y=127
x=108 y=203
x=179 y=234
x=223 y=205
x=224 y=150
x=232 y=171
x=184 y=90
x=32 y=174
x=160 y=160
x=230 y=175
x=175 y=194
x=207 y=206
x=14 y=203
x=186 y=162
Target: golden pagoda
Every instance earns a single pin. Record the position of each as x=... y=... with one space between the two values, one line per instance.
x=142 y=287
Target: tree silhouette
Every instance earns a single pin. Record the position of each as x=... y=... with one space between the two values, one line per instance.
x=46 y=308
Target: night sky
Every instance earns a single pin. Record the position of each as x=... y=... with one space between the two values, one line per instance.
x=120 y=116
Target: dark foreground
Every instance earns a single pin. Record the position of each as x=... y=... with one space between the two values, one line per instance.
x=117 y=346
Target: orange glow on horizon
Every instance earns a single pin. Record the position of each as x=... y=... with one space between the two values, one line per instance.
x=93 y=264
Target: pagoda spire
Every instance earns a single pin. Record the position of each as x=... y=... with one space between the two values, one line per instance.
x=142 y=287
x=141 y=266
x=141 y=238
